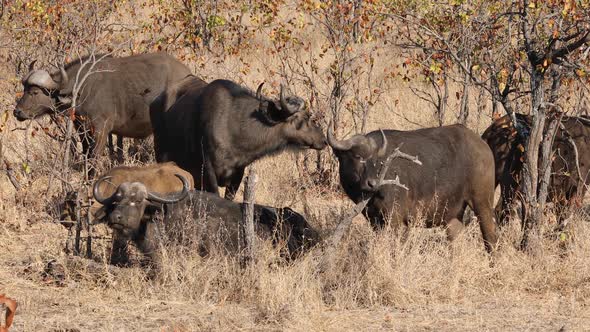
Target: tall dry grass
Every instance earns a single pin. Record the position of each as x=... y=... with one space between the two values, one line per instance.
x=401 y=280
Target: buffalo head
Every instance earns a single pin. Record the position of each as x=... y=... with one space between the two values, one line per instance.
x=41 y=93
x=131 y=202
x=297 y=126
x=358 y=157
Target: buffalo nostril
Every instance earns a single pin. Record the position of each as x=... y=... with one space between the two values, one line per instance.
x=116 y=217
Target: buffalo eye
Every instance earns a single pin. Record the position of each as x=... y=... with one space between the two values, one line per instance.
x=360 y=158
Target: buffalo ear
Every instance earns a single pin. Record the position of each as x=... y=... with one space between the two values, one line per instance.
x=276 y=113
x=268 y=112
x=99 y=215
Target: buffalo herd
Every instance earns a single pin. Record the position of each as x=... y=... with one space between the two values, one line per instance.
x=207 y=133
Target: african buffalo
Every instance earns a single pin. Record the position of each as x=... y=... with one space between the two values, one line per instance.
x=114 y=98
x=201 y=217
x=570 y=167
x=216 y=131
x=159 y=178
x=457 y=170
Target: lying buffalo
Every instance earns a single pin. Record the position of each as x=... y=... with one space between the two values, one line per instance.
x=159 y=178
x=114 y=98
x=216 y=131
x=570 y=167
x=457 y=170
x=133 y=213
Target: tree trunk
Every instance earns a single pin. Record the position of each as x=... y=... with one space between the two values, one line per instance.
x=248 y=217
x=464 y=111
x=442 y=103
x=531 y=165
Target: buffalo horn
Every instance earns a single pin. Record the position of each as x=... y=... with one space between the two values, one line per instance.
x=259 y=92
x=41 y=78
x=285 y=106
x=32 y=65
x=383 y=148
x=175 y=198
x=98 y=196
x=344 y=145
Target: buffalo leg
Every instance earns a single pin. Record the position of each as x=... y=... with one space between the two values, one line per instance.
x=119 y=256
x=454 y=228
x=148 y=246
x=97 y=149
x=209 y=178
x=232 y=188
x=120 y=157
x=111 y=147
x=116 y=152
x=483 y=209
x=503 y=210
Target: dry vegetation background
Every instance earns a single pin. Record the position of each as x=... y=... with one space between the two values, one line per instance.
x=385 y=281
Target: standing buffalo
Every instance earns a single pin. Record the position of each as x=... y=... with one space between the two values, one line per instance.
x=570 y=167
x=114 y=97
x=216 y=131
x=457 y=170
x=201 y=217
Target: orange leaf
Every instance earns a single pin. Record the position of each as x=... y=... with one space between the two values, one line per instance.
x=11 y=309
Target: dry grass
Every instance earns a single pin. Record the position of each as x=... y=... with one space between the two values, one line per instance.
x=410 y=281
x=414 y=281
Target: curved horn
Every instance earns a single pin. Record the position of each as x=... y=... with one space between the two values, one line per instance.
x=344 y=145
x=290 y=109
x=98 y=196
x=175 y=198
x=32 y=65
x=42 y=79
x=383 y=149
x=259 y=92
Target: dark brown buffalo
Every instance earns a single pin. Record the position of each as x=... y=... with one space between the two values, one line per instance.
x=457 y=170
x=204 y=218
x=158 y=178
x=569 y=178
x=216 y=131
x=114 y=99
